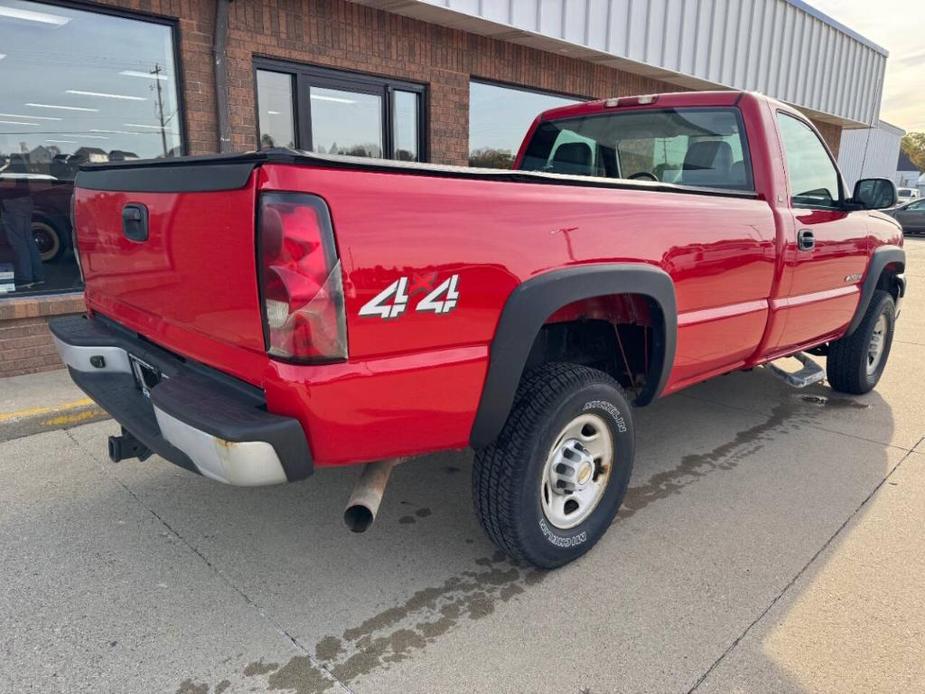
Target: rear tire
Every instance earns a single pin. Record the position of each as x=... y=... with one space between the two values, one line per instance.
x=548 y=489
x=48 y=238
x=856 y=362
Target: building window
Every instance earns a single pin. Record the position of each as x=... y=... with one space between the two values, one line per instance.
x=77 y=87
x=499 y=118
x=336 y=112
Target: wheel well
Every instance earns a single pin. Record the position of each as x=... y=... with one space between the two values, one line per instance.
x=887 y=279
x=616 y=333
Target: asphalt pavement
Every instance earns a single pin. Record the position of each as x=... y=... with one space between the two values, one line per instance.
x=771 y=541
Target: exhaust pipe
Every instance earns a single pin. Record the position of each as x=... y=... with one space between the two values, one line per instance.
x=367 y=494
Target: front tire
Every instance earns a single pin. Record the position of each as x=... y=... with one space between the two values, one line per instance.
x=548 y=489
x=856 y=361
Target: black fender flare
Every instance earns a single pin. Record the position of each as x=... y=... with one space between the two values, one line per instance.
x=879 y=259
x=530 y=305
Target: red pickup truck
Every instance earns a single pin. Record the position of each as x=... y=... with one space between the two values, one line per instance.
x=252 y=317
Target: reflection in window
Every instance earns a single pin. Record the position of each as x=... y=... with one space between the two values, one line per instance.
x=813 y=176
x=346 y=122
x=274 y=94
x=405 y=125
x=499 y=118
x=688 y=146
x=77 y=87
x=339 y=112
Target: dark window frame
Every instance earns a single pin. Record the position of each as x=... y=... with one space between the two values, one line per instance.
x=304 y=76
x=842 y=193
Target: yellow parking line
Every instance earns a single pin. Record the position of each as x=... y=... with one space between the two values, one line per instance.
x=39 y=411
x=67 y=420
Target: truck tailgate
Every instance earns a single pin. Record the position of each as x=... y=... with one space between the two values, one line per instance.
x=177 y=267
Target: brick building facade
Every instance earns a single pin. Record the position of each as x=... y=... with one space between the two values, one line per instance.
x=335 y=34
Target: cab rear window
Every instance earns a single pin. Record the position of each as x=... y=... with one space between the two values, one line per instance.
x=703 y=147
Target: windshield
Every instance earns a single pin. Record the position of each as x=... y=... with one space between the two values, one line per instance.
x=689 y=146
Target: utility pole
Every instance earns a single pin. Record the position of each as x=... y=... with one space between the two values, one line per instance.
x=160 y=105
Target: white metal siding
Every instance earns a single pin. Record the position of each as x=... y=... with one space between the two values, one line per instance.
x=783 y=48
x=869 y=152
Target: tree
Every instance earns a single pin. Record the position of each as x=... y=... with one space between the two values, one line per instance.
x=489 y=158
x=913 y=144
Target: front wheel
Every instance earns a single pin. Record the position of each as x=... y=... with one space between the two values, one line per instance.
x=856 y=362
x=548 y=489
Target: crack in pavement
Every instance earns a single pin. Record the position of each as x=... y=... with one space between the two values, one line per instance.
x=700 y=680
x=186 y=685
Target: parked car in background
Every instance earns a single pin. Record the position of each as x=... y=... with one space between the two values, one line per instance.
x=905 y=195
x=911 y=216
x=51 y=225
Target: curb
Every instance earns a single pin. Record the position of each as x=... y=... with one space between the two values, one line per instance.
x=37 y=420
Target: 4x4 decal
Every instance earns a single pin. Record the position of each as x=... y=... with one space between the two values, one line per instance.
x=392 y=301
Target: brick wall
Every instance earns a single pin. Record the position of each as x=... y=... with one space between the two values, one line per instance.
x=25 y=343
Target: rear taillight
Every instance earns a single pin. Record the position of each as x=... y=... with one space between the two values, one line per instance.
x=300 y=279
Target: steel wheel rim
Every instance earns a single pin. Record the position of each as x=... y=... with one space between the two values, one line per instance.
x=569 y=493
x=877 y=342
x=46 y=240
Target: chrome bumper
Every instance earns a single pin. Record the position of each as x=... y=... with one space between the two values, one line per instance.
x=207 y=425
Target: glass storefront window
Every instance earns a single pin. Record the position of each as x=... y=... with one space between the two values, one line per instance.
x=274 y=94
x=77 y=86
x=405 y=125
x=346 y=122
x=499 y=118
x=338 y=112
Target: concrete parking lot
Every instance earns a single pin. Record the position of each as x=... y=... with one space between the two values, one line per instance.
x=771 y=541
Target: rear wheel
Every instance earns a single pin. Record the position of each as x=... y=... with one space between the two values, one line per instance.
x=47 y=238
x=856 y=362
x=548 y=489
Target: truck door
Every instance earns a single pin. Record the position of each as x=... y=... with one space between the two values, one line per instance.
x=825 y=250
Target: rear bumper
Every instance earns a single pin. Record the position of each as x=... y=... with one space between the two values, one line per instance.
x=195 y=417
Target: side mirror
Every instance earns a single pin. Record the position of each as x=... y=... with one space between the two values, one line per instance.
x=875 y=193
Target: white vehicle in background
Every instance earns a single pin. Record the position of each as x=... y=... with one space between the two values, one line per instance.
x=905 y=195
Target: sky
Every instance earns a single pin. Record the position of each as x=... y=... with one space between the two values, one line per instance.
x=898 y=26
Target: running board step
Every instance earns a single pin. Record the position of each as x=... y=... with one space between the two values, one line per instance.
x=809 y=374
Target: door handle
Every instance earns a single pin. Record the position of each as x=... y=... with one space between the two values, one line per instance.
x=806 y=240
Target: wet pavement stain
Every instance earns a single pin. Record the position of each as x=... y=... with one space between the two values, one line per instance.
x=407 y=520
x=259 y=668
x=299 y=675
x=697 y=465
x=423 y=512
x=396 y=633
x=834 y=403
x=190 y=687
x=728 y=455
x=222 y=686
x=328 y=648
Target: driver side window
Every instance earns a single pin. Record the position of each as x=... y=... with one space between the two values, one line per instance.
x=814 y=180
